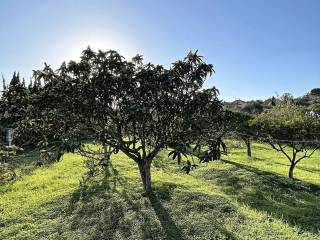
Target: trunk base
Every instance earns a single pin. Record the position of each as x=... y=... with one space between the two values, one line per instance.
x=248 y=143
x=145 y=173
x=291 y=171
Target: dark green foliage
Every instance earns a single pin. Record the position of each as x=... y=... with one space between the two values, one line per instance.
x=130 y=106
x=14 y=102
x=4 y=85
x=315 y=92
x=214 y=151
x=189 y=167
x=179 y=150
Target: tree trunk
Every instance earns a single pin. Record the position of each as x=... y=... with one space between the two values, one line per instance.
x=248 y=145
x=291 y=170
x=106 y=154
x=145 y=173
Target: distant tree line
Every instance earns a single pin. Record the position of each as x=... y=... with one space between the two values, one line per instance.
x=310 y=100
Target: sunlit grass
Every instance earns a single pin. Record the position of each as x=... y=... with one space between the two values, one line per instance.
x=235 y=198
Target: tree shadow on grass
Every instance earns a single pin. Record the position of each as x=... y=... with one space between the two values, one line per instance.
x=99 y=185
x=304 y=168
x=24 y=163
x=120 y=202
x=168 y=225
x=295 y=201
x=113 y=208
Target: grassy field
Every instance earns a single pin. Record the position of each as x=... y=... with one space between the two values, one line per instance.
x=234 y=198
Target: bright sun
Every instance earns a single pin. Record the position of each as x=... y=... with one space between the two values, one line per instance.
x=77 y=43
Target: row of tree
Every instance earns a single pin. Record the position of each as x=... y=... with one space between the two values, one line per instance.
x=140 y=109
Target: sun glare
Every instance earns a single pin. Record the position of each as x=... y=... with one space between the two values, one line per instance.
x=76 y=44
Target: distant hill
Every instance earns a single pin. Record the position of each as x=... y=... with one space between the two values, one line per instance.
x=311 y=99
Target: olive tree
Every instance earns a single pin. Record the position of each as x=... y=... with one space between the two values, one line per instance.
x=290 y=130
x=129 y=106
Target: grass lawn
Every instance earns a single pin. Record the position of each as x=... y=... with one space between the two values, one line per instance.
x=234 y=198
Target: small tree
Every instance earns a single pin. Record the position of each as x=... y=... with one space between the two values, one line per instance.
x=129 y=106
x=290 y=130
x=228 y=123
x=239 y=124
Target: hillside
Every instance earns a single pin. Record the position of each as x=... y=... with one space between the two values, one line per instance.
x=312 y=98
x=235 y=198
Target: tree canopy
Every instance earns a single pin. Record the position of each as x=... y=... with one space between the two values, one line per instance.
x=130 y=106
x=289 y=129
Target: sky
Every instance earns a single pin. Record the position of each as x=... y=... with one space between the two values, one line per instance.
x=259 y=48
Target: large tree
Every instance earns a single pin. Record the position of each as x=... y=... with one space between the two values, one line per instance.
x=289 y=129
x=129 y=106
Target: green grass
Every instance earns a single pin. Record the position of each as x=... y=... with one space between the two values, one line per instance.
x=235 y=198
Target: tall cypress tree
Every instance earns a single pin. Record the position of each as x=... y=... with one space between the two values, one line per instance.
x=14 y=102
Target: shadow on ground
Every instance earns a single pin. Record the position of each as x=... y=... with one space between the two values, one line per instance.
x=19 y=165
x=295 y=201
x=24 y=163
x=108 y=208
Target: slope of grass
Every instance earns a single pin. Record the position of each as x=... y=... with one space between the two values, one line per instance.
x=235 y=198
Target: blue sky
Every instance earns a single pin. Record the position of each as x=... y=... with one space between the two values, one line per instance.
x=259 y=48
